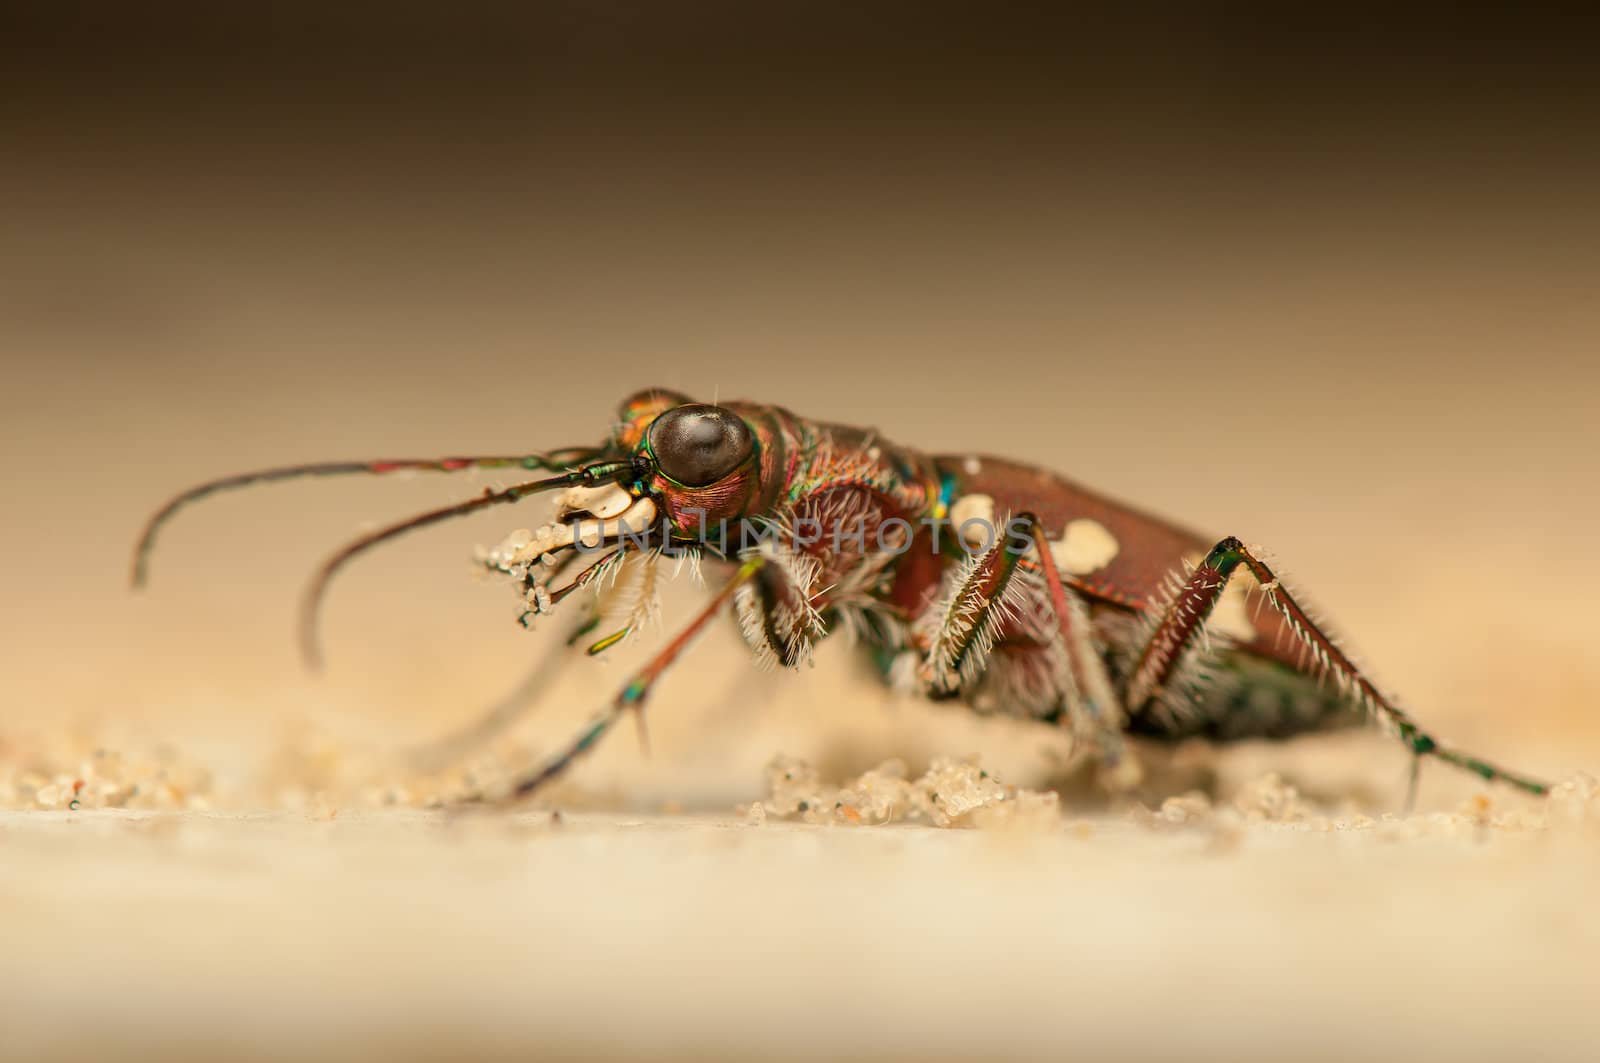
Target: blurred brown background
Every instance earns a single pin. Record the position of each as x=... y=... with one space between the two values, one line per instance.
x=1328 y=284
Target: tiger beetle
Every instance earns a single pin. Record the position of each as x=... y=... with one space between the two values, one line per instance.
x=971 y=577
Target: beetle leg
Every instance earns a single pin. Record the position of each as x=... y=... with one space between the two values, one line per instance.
x=1093 y=706
x=996 y=605
x=502 y=714
x=961 y=630
x=777 y=610
x=436 y=753
x=1183 y=620
x=631 y=697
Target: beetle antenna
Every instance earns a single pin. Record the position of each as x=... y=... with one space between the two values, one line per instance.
x=140 y=568
x=311 y=604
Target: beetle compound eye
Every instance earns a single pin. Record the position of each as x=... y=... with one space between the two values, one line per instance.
x=698 y=444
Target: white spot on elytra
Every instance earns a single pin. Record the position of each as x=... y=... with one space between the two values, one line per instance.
x=978 y=508
x=972 y=466
x=1085 y=546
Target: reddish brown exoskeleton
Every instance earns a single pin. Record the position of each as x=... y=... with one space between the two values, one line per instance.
x=967 y=577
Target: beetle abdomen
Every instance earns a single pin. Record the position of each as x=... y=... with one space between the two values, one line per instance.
x=1243 y=696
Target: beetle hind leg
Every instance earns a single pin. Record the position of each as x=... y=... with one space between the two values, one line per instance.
x=1181 y=625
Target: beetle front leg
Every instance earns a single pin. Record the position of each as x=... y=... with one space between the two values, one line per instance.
x=1183 y=621
x=632 y=696
x=777 y=608
x=435 y=754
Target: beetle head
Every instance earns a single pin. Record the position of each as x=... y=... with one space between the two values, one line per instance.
x=700 y=462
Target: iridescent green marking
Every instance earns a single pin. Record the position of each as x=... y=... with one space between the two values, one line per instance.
x=1419 y=742
x=591 y=736
x=584 y=629
x=1225 y=556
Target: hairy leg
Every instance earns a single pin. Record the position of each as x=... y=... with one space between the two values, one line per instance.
x=1002 y=611
x=1183 y=622
x=1095 y=711
x=635 y=693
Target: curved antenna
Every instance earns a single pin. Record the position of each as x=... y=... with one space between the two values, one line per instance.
x=140 y=568
x=311 y=604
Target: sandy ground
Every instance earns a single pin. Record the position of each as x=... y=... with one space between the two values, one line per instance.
x=863 y=921
x=404 y=935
